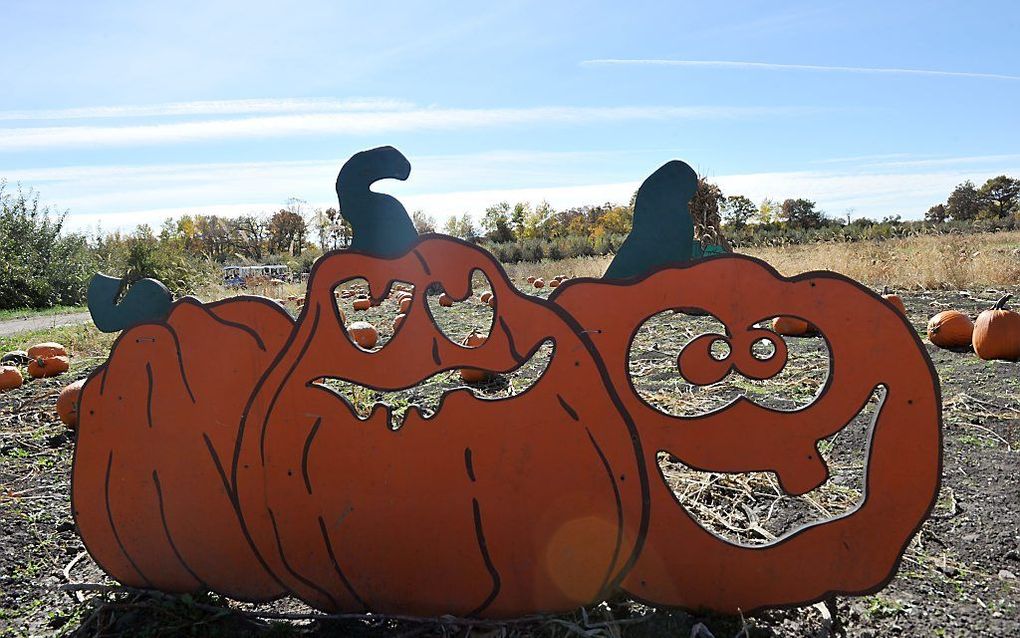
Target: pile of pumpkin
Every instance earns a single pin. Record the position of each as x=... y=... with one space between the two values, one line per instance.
x=43 y=360
x=538 y=282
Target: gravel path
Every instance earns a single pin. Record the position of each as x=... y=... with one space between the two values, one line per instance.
x=14 y=326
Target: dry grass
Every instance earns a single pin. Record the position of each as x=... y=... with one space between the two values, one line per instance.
x=944 y=262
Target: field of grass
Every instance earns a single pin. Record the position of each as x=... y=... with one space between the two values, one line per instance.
x=958 y=576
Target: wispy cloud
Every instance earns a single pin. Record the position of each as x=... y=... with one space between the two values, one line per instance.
x=362 y=123
x=210 y=107
x=727 y=64
x=122 y=196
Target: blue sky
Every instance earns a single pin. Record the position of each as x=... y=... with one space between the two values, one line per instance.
x=130 y=112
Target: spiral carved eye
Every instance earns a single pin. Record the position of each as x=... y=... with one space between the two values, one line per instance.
x=699 y=364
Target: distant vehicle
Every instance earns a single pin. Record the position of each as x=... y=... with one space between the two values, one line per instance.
x=239 y=275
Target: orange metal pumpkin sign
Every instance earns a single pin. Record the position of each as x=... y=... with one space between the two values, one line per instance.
x=255 y=478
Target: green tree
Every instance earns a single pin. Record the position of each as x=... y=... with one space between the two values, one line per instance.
x=1000 y=197
x=964 y=203
x=801 y=213
x=496 y=223
x=463 y=227
x=937 y=214
x=286 y=231
x=738 y=210
x=40 y=266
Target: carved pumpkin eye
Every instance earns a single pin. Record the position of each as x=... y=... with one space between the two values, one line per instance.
x=372 y=317
x=689 y=364
x=458 y=318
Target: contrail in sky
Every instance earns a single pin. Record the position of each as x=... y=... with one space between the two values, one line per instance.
x=725 y=64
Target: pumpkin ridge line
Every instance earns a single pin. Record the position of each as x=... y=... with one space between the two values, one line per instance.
x=148 y=396
x=304 y=454
x=286 y=563
x=619 y=511
x=113 y=526
x=180 y=360
x=497 y=582
x=469 y=464
x=283 y=383
x=336 y=566
x=169 y=537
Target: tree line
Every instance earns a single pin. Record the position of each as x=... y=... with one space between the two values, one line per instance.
x=44 y=266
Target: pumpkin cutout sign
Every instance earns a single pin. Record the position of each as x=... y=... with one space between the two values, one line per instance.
x=264 y=480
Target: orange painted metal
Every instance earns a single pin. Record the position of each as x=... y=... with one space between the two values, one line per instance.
x=870 y=345
x=212 y=455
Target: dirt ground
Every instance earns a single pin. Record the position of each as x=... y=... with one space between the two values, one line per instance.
x=958 y=577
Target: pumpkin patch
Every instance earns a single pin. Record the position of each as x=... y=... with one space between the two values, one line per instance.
x=258 y=477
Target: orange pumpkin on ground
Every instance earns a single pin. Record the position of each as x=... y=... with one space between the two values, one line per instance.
x=554 y=283
x=531 y=279
x=158 y=424
x=997 y=332
x=364 y=334
x=405 y=305
x=474 y=375
x=40 y=367
x=538 y=283
x=10 y=378
x=894 y=299
x=362 y=304
x=790 y=326
x=485 y=296
x=950 y=329
x=67 y=403
x=48 y=349
x=445 y=300
x=397 y=321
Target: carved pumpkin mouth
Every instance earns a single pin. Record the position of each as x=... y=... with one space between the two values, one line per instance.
x=424 y=400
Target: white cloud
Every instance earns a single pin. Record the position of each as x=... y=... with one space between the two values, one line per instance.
x=361 y=123
x=441 y=185
x=211 y=107
x=727 y=64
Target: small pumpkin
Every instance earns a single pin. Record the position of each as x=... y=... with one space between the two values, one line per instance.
x=399 y=319
x=554 y=283
x=894 y=299
x=474 y=375
x=445 y=300
x=47 y=349
x=41 y=367
x=997 y=332
x=67 y=404
x=539 y=283
x=485 y=296
x=950 y=329
x=362 y=304
x=790 y=326
x=364 y=334
x=10 y=378
x=531 y=279
x=405 y=305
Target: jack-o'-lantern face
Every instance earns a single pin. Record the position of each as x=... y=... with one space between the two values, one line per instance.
x=442 y=513
x=904 y=456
